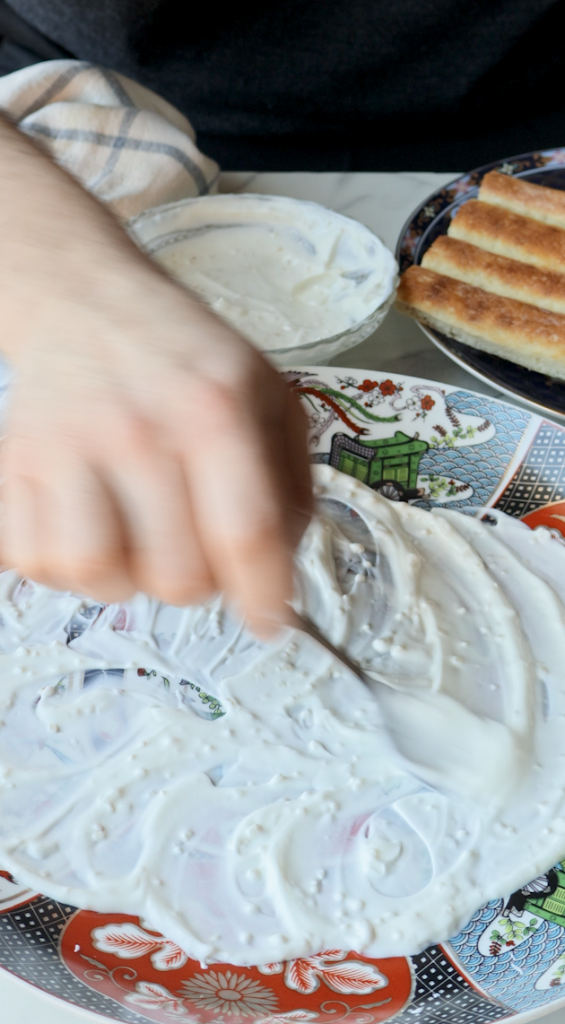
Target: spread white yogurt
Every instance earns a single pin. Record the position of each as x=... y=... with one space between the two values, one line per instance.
x=284 y=273
x=259 y=803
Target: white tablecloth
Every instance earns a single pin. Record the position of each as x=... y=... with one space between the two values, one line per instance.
x=382 y=202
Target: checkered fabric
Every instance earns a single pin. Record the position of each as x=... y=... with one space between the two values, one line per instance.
x=122 y=141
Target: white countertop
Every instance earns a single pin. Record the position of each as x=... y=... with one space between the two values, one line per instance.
x=383 y=202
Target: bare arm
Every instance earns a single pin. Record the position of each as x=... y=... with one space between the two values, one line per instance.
x=150 y=447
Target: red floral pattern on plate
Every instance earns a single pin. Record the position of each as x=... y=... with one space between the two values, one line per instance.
x=150 y=996
x=552 y=516
x=118 y=956
x=348 y=977
x=128 y=941
x=12 y=894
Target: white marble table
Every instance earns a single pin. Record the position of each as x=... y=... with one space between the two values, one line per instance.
x=382 y=202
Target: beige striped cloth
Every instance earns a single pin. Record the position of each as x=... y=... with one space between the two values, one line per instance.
x=122 y=141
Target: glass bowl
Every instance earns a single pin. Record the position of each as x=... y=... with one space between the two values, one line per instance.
x=362 y=271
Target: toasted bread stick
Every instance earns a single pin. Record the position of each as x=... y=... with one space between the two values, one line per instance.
x=532 y=337
x=509 y=234
x=520 y=196
x=498 y=274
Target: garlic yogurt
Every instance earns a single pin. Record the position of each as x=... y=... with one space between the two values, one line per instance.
x=283 y=272
x=257 y=803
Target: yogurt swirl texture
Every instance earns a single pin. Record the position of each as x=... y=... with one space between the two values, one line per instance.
x=258 y=803
x=283 y=272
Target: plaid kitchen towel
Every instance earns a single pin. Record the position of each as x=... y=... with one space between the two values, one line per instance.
x=122 y=141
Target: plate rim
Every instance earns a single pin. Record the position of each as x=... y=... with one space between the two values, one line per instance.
x=57 y=1001
x=536 y=407
x=523 y=1017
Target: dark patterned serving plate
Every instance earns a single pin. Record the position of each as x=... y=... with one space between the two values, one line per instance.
x=448 y=447
x=432 y=218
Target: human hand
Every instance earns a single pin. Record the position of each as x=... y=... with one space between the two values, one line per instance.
x=149 y=446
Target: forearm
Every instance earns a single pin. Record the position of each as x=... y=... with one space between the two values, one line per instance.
x=55 y=237
x=60 y=248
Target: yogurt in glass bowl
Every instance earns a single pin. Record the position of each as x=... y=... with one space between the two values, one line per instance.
x=300 y=281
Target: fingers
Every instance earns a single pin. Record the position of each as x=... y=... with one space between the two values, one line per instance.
x=294 y=451
x=61 y=526
x=107 y=537
x=211 y=494
x=244 y=501
x=83 y=541
x=165 y=556
x=20 y=538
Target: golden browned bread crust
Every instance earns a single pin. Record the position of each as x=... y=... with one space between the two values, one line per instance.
x=497 y=274
x=519 y=196
x=532 y=337
x=509 y=234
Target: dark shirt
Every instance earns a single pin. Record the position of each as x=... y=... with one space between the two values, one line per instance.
x=375 y=72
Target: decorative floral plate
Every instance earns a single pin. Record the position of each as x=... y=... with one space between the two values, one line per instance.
x=413 y=440
x=432 y=218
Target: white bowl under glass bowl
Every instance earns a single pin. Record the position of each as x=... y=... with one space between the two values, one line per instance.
x=301 y=282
